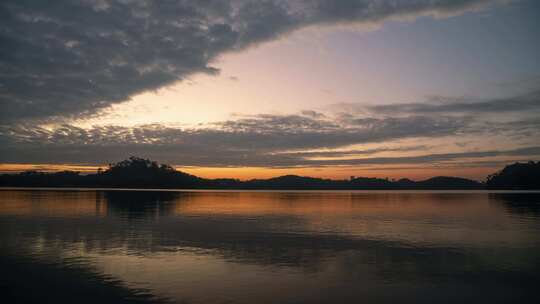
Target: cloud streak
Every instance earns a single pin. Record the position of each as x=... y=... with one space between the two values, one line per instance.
x=524 y=103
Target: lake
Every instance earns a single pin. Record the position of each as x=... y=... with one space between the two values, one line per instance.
x=110 y=246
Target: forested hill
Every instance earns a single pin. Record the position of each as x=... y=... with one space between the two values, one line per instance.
x=142 y=173
x=516 y=176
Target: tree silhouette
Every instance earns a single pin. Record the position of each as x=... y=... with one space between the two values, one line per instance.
x=516 y=176
x=140 y=172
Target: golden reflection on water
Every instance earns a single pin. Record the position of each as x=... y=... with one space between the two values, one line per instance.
x=461 y=218
x=53 y=203
x=467 y=218
x=309 y=245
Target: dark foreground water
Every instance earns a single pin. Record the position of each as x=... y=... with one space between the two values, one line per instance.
x=269 y=247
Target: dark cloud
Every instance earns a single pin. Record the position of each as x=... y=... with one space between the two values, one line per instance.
x=433 y=158
x=210 y=147
x=259 y=140
x=61 y=59
x=263 y=140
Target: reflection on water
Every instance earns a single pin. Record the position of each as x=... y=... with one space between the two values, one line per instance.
x=270 y=247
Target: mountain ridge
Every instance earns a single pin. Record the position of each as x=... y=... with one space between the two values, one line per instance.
x=137 y=172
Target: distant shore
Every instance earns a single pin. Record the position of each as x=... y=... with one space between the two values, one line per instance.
x=138 y=173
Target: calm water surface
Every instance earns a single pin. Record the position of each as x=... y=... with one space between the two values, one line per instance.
x=269 y=247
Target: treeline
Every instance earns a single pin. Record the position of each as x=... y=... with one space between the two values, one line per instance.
x=143 y=173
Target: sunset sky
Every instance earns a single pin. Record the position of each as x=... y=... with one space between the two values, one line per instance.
x=253 y=89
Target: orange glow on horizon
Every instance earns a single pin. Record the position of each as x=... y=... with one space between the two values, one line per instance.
x=15 y=168
x=247 y=173
x=390 y=172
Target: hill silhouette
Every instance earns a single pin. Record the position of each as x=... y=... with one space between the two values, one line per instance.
x=523 y=176
x=137 y=172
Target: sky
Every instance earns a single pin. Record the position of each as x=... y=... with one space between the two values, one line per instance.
x=255 y=89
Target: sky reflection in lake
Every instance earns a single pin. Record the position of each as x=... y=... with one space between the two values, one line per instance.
x=274 y=247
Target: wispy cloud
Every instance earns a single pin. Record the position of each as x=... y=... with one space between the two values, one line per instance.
x=524 y=103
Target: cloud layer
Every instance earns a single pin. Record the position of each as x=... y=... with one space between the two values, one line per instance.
x=65 y=59
x=307 y=139
x=255 y=141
